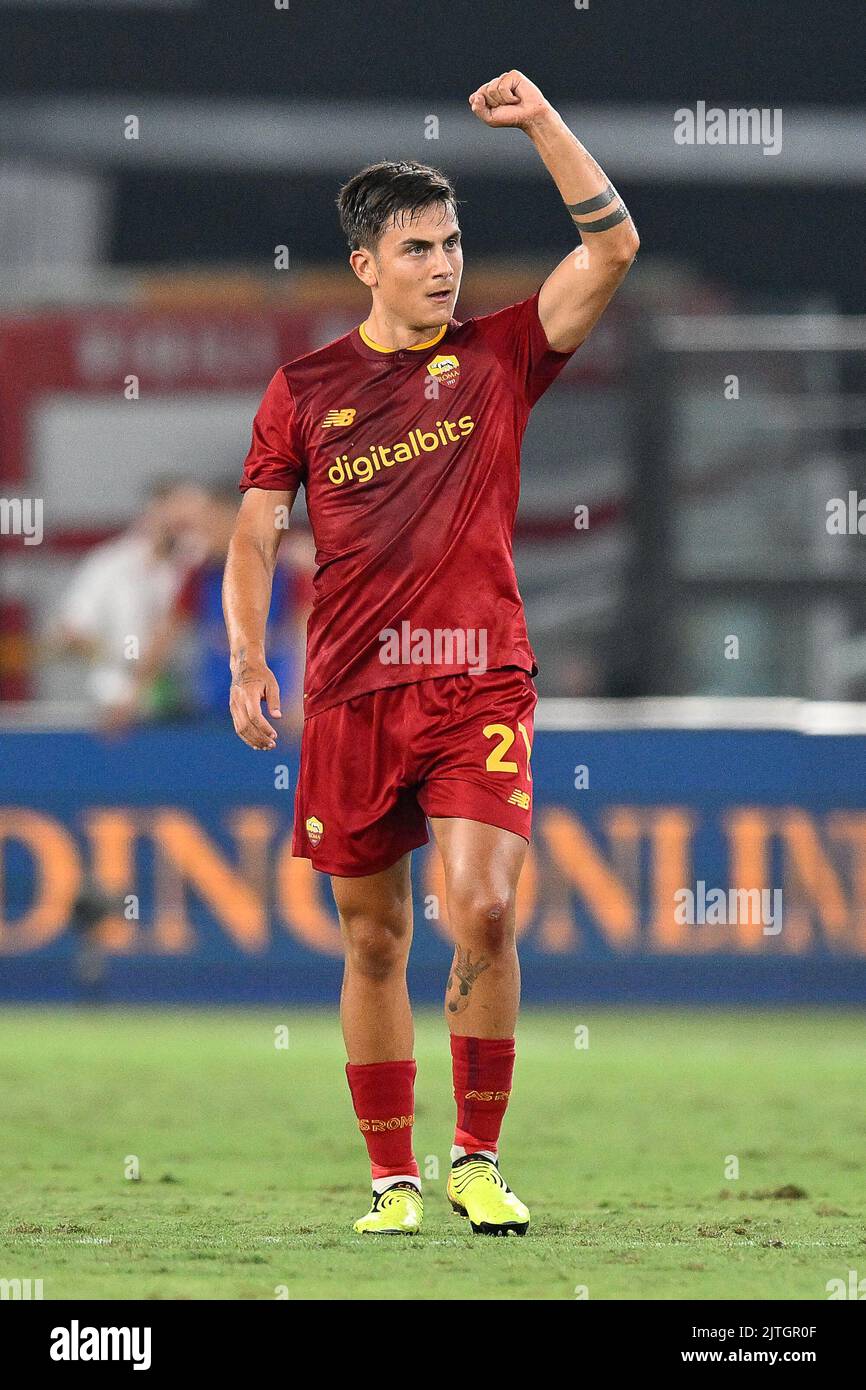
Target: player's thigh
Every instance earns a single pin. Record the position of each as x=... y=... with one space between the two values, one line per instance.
x=375 y=910
x=482 y=866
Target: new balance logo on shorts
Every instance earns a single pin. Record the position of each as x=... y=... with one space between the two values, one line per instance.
x=519 y=798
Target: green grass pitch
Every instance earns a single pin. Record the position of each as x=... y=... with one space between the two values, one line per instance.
x=252 y=1169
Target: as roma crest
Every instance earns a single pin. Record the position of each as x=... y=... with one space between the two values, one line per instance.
x=315 y=830
x=445 y=369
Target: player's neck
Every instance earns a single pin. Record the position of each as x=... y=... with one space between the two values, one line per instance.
x=390 y=335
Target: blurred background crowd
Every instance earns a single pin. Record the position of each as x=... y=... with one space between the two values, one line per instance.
x=142 y=611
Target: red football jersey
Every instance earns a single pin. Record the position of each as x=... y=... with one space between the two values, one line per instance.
x=411 y=463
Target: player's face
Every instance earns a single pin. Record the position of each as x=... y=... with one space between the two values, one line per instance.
x=419 y=263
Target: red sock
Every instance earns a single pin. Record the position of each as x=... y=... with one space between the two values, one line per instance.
x=483 y=1069
x=383 y=1094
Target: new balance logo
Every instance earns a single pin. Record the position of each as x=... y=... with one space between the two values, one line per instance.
x=518 y=798
x=487 y=1095
x=338 y=418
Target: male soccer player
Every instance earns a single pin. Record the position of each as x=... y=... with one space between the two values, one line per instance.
x=419 y=695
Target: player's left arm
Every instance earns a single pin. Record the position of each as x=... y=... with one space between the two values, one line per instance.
x=576 y=293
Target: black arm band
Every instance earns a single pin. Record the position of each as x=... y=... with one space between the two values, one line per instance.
x=604 y=223
x=595 y=204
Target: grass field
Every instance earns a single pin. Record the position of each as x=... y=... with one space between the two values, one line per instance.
x=251 y=1168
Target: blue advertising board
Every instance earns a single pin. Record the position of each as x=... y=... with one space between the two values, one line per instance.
x=704 y=866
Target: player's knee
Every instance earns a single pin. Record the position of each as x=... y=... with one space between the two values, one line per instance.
x=376 y=945
x=485 y=921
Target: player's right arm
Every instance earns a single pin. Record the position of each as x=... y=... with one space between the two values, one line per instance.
x=247 y=586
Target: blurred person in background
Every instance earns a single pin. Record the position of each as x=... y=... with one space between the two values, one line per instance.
x=193 y=634
x=121 y=594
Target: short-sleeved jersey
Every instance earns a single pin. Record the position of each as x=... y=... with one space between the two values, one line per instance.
x=410 y=459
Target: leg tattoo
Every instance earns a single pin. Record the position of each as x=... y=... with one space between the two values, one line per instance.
x=467 y=971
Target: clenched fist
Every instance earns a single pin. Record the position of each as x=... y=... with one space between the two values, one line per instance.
x=509 y=100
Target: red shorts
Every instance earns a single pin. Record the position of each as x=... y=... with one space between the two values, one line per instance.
x=374 y=767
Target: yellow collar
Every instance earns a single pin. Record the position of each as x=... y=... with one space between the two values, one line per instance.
x=418 y=347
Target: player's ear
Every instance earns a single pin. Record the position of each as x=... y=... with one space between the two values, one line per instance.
x=362 y=264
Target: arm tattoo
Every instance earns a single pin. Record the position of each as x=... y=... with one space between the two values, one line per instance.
x=467 y=971
x=601 y=200
x=239 y=666
x=604 y=223
x=595 y=204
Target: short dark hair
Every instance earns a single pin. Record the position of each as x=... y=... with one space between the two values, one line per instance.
x=371 y=198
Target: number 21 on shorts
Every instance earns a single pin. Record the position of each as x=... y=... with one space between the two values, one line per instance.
x=497 y=760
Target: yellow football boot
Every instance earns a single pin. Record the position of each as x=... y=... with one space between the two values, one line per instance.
x=477 y=1190
x=398 y=1211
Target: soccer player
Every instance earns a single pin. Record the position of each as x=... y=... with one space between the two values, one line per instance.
x=418 y=691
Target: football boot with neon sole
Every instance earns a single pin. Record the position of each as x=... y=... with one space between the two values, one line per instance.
x=398 y=1211
x=477 y=1190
